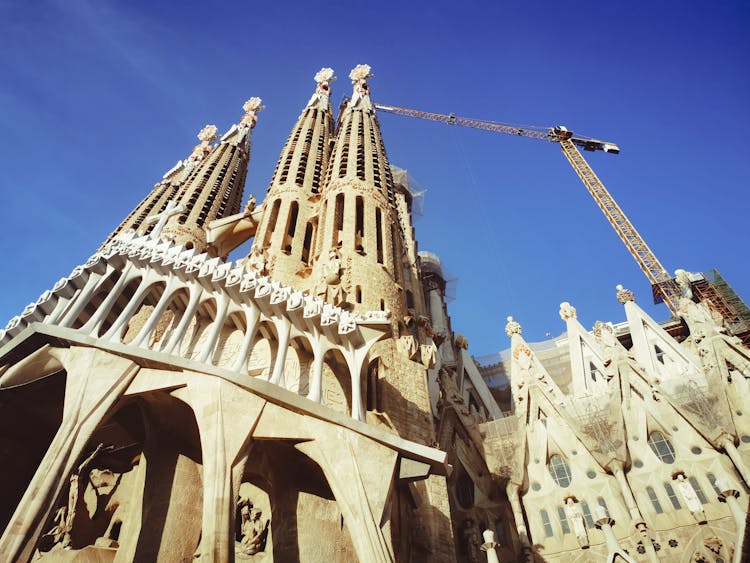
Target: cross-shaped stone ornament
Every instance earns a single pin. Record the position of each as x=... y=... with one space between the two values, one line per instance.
x=161 y=219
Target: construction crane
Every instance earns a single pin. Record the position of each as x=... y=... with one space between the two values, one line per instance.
x=664 y=287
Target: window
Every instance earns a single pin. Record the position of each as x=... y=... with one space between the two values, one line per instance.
x=712 y=479
x=291 y=227
x=546 y=523
x=672 y=496
x=698 y=491
x=563 y=520
x=358 y=294
x=559 y=470
x=307 y=243
x=587 y=514
x=595 y=373
x=271 y=223
x=654 y=500
x=661 y=446
x=379 y=234
x=338 y=219
x=603 y=503
x=659 y=354
x=409 y=299
x=359 y=225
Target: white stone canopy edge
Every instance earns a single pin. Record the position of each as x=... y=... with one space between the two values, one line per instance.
x=212 y=273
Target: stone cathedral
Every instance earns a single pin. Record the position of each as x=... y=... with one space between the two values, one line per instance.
x=310 y=401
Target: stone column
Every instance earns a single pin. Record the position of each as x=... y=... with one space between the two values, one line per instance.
x=360 y=473
x=173 y=346
x=729 y=447
x=729 y=495
x=226 y=416
x=95 y=380
x=141 y=338
x=523 y=534
x=252 y=314
x=489 y=546
x=216 y=326
x=283 y=328
x=115 y=331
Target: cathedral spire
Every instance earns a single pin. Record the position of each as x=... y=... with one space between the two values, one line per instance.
x=166 y=190
x=359 y=227
x=283 y=243
x=215 y=180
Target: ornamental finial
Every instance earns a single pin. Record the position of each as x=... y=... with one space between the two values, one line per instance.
x=252 y=108
x=360 y=73
x=322 y=94
x=207 y=135
x=361 y=90
x=624 y=295
x=512 y=328
x=325 y=74
x=567 y=311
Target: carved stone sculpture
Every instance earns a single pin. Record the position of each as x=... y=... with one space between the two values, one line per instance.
x=257 y=260
x=575 y=516
x=254 y=529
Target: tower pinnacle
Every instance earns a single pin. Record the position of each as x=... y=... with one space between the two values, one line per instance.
x=321 y=98
x=213 y=188
x=361 y=90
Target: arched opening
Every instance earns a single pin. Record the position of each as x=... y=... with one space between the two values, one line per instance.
x=373 y=384
x=122 y=301
x=142 y=314
x=34 y=413
x=169 y=320
x=338 y=219
x=307 y=242
x=198 y=330
x=337 y=386
x=271 y=225
x=299 y=359
x=263 y=352
x=291 y=228
x=104 y=288
x=297 y=509
x=230 y=340
x=359 y=225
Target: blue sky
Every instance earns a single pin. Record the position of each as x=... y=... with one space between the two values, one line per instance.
x=99 y=99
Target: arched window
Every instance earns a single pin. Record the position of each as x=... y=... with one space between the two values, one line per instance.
x=661 y=446
x=559 y=470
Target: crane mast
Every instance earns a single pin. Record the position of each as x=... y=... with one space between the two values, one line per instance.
x=663 y=286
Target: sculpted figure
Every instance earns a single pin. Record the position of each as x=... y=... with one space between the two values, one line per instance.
x=329 y=287
x=250 y=205
x=575 y=515
x=257 y=260
x=65 y=515
x=254 y=530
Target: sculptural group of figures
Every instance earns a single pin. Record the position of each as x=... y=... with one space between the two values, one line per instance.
x=92 y=475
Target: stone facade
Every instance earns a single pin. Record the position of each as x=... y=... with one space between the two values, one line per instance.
x=310 y=401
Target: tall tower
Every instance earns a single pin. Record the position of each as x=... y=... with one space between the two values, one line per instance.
x=214 y=186
x=284 y=242
x=354 y=243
